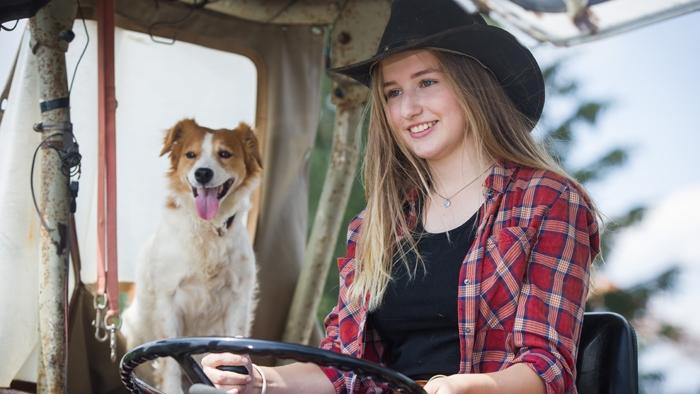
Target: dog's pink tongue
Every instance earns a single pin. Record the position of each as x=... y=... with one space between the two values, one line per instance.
x=207 y=203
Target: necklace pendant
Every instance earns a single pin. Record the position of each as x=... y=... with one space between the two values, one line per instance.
x=446 y=203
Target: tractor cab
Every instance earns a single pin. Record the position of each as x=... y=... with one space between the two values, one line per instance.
x=99 y=81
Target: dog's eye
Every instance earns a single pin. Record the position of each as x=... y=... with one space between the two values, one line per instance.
x=224 y=154
x=190 y=155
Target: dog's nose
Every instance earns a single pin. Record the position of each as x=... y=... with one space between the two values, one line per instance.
x=203 y=175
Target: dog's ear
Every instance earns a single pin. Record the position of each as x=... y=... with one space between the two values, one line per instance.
x=250 y=144
x=173 y=135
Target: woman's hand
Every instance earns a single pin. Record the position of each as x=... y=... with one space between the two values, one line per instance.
x=233 y=383
x=517 y=378
x=443 y=385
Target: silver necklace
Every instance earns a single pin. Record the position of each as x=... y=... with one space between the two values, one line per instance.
x=446 y=201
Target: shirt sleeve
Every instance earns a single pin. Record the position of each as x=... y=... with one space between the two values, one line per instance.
x=332 y=341
x=552 y=300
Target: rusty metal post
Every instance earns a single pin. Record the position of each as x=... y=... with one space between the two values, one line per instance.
x=50 y=29
x=354 y=36
x=347 y=133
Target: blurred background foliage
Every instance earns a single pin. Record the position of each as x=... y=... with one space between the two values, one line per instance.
x=567 y=113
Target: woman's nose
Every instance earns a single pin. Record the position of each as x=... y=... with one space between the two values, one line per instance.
x=410 y=105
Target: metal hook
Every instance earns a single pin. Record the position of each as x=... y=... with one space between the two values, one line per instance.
x=112 y=323
x=100 y=304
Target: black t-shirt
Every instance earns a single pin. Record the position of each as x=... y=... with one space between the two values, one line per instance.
x=417 y=319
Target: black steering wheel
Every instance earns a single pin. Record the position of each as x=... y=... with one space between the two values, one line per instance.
x=182 y=349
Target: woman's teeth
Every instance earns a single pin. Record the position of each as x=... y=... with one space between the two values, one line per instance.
x=422 y=127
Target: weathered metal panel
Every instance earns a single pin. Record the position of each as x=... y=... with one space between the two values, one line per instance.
x=304 y=12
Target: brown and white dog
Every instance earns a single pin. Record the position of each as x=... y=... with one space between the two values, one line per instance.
x=196 y=276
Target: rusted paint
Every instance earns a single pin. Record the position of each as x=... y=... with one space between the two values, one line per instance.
x=357 y=31
x=355 y=35
x=49 y=49
x=348 y=95
x=307 y=12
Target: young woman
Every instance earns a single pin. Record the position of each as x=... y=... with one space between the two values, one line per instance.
x=469 y=268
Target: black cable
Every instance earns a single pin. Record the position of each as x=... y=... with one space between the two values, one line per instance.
x=195 y=5
x=70 y=167
x=31 y=179
x=281 y=11
x=87 y=41
x=337 y=16
x=2 y=26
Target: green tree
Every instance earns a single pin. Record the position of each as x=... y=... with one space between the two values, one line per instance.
x=559 y=135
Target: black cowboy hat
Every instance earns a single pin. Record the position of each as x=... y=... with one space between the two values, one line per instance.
x=444 y=25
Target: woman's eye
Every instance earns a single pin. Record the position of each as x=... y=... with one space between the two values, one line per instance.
x=224 y=154
x=427 y=82
x=190 y=155
x=392 y=93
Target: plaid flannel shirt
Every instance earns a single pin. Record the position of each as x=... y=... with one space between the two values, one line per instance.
x=522 y=285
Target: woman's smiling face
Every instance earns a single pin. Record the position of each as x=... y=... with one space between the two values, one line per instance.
x=421 y=105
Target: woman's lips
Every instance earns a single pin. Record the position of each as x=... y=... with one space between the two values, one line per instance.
x=422 y=129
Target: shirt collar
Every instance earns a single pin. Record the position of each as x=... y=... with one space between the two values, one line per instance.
x=500 y=176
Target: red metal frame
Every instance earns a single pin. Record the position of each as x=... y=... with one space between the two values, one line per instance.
x=107 y=165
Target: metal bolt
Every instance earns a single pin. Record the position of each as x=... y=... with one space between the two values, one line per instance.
x=344 y=38
x=66 y=35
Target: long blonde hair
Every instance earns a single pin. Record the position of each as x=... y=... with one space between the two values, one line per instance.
x=394 y=177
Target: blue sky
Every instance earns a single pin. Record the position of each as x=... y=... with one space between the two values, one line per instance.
x=652 y=75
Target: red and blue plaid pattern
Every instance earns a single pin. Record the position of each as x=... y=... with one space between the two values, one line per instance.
x=522 y=285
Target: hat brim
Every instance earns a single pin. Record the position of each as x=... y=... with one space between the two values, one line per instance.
x=497 y=50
